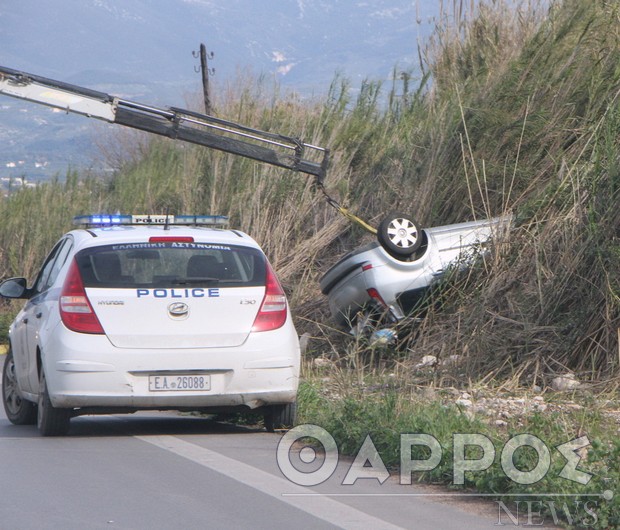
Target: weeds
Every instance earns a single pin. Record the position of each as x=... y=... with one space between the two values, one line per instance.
x=516 y=109
x=384 y=407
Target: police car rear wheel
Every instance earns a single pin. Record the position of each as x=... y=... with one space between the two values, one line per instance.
x=280 y=416
x=51 y=420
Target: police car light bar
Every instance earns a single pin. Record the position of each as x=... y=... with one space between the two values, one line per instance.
x=106 y=220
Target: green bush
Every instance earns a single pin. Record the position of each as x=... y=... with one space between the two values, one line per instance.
x=385 y=415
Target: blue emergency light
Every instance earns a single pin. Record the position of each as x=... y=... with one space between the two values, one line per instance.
x=108 y=220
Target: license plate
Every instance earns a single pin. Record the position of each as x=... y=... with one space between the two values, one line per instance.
x=179 y=383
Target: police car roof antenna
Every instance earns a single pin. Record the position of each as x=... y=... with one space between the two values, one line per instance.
x=167 y=222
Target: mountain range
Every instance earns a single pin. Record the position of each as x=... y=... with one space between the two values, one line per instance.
x=145 y=50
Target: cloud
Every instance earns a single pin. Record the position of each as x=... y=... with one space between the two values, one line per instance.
x=285 y=69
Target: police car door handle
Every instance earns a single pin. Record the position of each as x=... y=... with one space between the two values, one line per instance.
x=25 y=320
x=39 y=314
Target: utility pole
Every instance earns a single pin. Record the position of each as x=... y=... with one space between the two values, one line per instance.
x=204 y=69
x=405 y=77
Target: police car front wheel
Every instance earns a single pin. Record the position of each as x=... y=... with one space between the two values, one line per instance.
x=18 y=410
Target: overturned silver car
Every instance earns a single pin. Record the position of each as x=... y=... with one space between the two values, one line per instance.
x=385 y=280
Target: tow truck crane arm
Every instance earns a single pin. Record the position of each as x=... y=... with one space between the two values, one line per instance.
x=275 y=149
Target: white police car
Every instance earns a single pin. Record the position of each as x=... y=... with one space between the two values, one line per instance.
x=150 y=312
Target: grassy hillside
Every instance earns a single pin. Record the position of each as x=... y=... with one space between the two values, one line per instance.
x=516 y=110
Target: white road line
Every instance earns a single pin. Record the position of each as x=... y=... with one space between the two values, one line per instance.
x=332 y=511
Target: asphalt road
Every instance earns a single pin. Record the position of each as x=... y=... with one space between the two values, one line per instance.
x=167 y=471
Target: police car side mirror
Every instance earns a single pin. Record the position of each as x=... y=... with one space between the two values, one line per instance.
x=14 y=288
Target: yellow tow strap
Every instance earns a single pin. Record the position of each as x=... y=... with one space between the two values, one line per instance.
x=354 y=218
x=344 y=211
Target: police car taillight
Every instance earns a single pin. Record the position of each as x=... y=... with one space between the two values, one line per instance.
x=75 y=310
x=272 y=313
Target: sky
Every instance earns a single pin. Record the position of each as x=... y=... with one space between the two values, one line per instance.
x=142 y=50
x=302 y=43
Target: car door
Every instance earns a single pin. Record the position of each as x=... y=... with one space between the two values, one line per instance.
x=36 y=312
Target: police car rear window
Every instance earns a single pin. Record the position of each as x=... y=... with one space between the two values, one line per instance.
x=171 y=264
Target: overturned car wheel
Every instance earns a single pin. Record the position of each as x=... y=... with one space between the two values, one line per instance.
x=400 y=235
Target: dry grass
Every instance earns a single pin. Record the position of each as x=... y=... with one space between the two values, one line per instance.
x=520 y=113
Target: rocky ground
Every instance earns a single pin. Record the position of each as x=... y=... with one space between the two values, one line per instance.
x=566 y=396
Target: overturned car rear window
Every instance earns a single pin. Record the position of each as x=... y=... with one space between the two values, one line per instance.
x=170 y=264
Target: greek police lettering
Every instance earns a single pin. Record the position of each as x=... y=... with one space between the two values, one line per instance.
x=197 y=292
x=134 y=246
x=197 y=246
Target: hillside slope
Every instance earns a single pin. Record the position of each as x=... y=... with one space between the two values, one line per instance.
x=518 y=112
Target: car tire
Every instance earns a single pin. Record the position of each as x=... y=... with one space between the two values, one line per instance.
x=51 y=420
x=280 y=416
x=18 y=410
x=400 y=235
